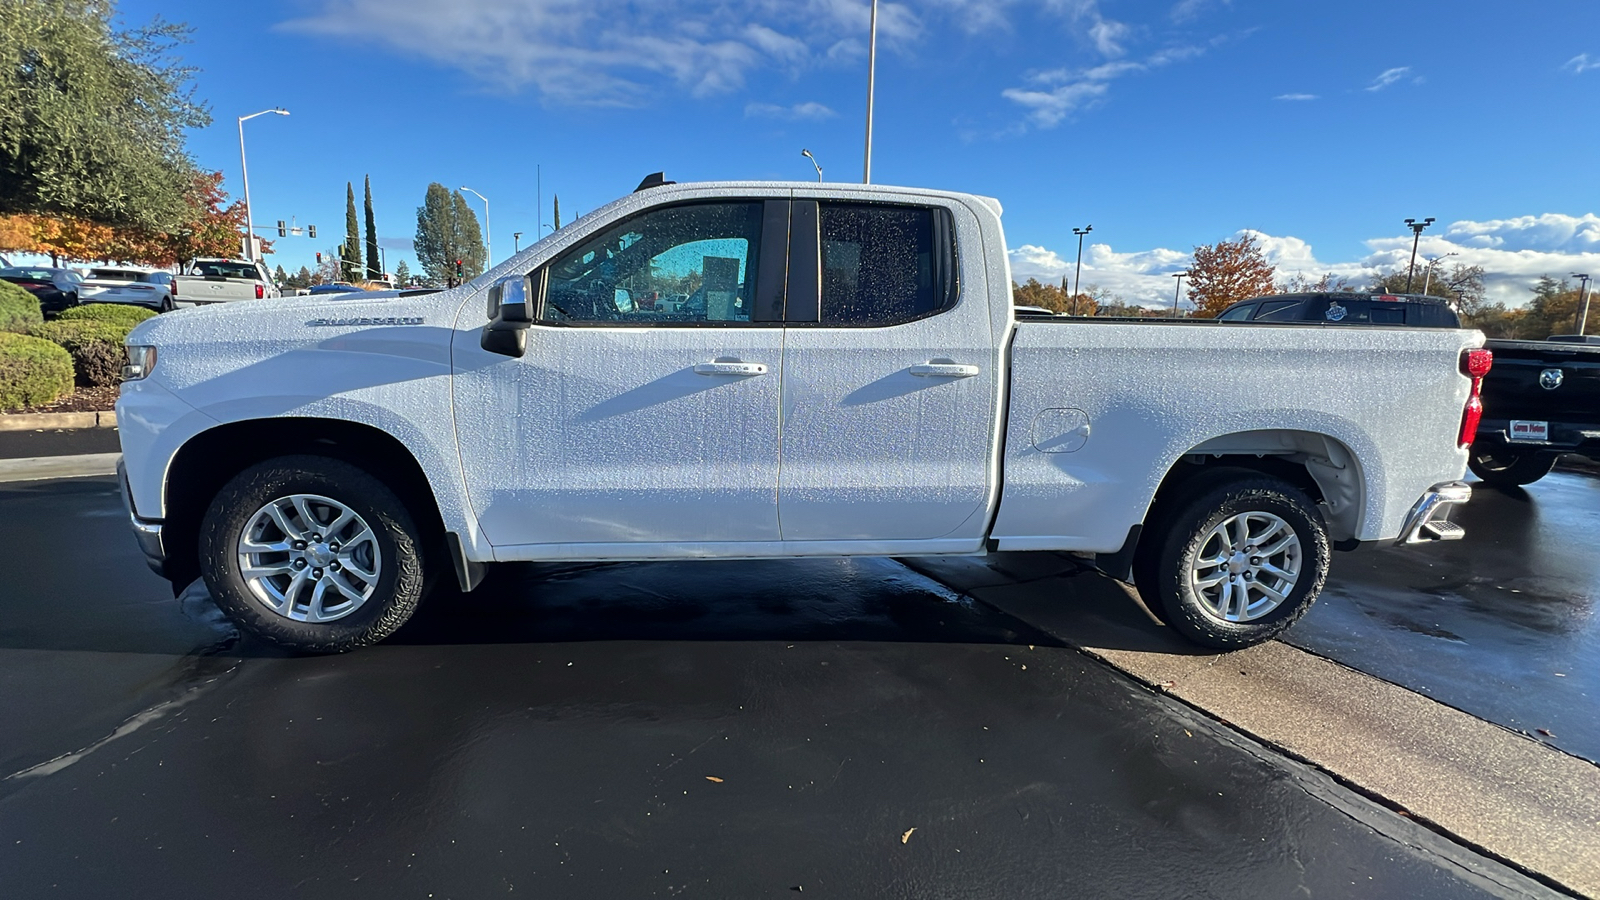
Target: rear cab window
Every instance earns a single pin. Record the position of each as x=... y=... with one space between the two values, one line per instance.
x=884 y=264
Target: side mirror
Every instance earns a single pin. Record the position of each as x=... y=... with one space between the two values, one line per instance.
x=510 y=310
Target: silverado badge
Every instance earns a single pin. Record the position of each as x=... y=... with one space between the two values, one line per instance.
x=1550 y=379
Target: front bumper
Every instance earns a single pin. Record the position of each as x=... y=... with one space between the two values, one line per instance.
x=1429 y=519
x=146 y=532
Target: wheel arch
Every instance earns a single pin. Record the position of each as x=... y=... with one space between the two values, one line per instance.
x=209 y=459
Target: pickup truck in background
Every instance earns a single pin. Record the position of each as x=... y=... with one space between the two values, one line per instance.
x=1541 y=399
x=846 y=377
x=222 y=281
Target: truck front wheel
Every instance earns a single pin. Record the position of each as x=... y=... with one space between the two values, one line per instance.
x=1510 y=468
x=312 y=553
x=1237 y=563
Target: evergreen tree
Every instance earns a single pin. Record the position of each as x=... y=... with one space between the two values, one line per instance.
x=402 y=273
x=447 y=230
x=350 y=251
x=280 y=277
x=558 y=211
x=302 y=278
x=374 y=259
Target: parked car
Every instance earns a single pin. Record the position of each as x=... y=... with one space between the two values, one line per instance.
x=150 y=288
x=333 y=287
x=1345 y=308
x=853 y=380
x=205 y=281
x=57 y=289
x=1541 y=399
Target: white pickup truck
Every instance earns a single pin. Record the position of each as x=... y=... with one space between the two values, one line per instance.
x=835 y=370
x=222 y=281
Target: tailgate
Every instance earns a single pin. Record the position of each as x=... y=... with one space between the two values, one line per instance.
x=214 y=288
x=1544 y=381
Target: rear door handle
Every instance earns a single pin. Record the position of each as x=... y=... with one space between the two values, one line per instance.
x=730 y=367
x=944 y=370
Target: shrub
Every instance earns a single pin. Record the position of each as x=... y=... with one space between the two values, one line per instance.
x=119 y=313
x=96 y=347
x=33 y=372
x=19 y=310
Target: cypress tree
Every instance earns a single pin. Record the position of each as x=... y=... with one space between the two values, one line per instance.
x=374 y=259
x=558 y=211
x=350 y=253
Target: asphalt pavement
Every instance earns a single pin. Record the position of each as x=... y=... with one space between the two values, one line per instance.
x=837 y=727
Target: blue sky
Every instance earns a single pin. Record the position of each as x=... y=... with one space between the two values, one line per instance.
x=1163 y=124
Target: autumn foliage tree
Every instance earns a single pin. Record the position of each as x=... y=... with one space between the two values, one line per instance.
x=1225 y=273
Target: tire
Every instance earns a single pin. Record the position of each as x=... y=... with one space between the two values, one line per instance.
x=1278 y=586
x=166 y=305
x=304 y=590
x=1501 y=467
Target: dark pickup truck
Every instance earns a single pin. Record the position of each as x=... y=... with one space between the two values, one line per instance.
x=1540 y=400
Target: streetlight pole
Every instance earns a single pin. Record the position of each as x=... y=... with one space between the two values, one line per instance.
x=244 y=170
x=488 y=232
x=1427 y=280
x=1583 y=302
x=1416 y=235
x=1176 y=288
x=807 y=155
x=872 y=71
x=1078 y=269
x=516 y=242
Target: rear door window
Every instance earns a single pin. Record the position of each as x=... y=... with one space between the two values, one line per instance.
x=883 y=265
x=1238 y=313
x=1339 y=311
x=1278 y=311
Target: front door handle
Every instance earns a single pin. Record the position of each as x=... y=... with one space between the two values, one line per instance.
x=944 y=370
x=730 y=367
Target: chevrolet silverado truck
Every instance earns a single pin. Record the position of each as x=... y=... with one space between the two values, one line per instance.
x=839 y=371
x=1542 y=399
x=222 y=281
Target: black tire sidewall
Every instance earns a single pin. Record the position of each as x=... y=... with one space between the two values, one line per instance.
x=1186 y=529
x=1522 y=467
x=400 y=582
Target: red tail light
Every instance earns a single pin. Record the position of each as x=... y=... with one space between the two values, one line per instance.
x=172 y=287
x=261 y=293
x=1474 y=364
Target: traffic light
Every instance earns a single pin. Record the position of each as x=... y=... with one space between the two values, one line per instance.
x=319 y=259
x=460 y=271
x=312 y=229
x=283 y=231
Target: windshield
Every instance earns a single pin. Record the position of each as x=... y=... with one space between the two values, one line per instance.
x=115 y=275
x=225 y=269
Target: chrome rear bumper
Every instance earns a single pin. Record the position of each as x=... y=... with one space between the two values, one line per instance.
x=147 y=533
x=1429 y=519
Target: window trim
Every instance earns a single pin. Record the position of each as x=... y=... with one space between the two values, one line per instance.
x=944 y=232
x=541 y=275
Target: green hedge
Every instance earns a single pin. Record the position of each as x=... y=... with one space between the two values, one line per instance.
x=19 y=310
x=96 y=347
x=33 y=372
x=120 y=313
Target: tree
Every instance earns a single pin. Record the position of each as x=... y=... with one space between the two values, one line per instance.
x=402 y=273
x=1462 y=284
x=1225 y=273
x=374 y=258
x=558 y=210
x=280 y=277
x=300 y=279
x=447 y=230
x=350 y=251
x=1329 y=283
x=92 y=118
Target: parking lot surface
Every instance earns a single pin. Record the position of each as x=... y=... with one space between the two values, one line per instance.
x=848 y=728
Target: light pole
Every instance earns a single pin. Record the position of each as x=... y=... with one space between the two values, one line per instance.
x=1416 y=235
x=1078 y=269
x=872 y=71
x=1177 y=287
x=516 y=242
x=244 y=170
x=1427 y=278
x=488 y=233
x=1583 y=302
x=807 y=155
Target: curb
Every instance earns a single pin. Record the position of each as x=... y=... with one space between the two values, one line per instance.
x=36 y=468
x=66 y=420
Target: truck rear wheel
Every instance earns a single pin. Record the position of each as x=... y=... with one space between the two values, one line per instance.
x=313 y=554
x=1510 y=468
x=1237 y=562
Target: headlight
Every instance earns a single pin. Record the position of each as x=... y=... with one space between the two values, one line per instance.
x=141 y=360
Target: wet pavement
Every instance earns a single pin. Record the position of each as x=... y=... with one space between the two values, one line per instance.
x=848 y=728
x=1504 y=624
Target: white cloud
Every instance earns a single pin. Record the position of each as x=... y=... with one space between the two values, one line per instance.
x=616 y=52
x=1581 y=63
x=1514 y=254
x=808 y=110
x=1388 y=77
x=1295 y=97
x=1062 y=92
